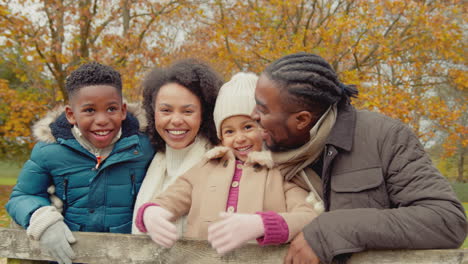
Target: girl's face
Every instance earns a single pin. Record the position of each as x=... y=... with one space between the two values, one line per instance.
x=242 y=134
x=177 y=115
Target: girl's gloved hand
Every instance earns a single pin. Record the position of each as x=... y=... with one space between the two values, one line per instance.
x=160 y=229
x=234 y=231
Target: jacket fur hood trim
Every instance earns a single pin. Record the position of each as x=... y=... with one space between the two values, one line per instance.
x=262 y=158
x=52 y=126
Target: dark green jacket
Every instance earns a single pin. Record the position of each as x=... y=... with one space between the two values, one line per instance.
x=381 y=191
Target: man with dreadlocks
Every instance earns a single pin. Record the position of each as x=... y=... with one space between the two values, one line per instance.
x=379 y=187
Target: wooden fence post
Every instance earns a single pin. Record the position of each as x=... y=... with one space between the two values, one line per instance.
x=139 y=249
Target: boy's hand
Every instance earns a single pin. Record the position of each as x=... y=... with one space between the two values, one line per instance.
x=57 y=239
x=160 y=229
x=234 y=230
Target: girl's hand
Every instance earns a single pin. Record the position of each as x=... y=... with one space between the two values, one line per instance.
x=160 y=229
x=234 y=231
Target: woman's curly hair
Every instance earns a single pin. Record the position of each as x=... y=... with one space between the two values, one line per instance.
x=194 y=75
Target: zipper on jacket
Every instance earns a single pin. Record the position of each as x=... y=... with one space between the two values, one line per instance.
x=132 y=178
x=64 y=196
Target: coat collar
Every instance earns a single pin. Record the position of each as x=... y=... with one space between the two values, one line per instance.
x=262 y=158
x=55 y=125
x=342 y=134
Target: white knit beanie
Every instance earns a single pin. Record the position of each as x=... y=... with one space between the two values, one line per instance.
x=236 y=97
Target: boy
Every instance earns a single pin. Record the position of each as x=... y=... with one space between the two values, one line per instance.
x=95 y=156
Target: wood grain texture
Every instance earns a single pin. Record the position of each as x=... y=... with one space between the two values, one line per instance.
x=139 y=249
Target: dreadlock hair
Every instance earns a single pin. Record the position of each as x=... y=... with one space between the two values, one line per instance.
x=91 y=74
x=307 y=81
x=194 y=75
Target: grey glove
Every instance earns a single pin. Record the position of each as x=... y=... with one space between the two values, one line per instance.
x=57 y=239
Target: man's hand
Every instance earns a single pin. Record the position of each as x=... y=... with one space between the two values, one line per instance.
x=300 y=252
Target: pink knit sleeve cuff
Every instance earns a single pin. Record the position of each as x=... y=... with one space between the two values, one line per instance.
x=139 y=217
x=276 y=229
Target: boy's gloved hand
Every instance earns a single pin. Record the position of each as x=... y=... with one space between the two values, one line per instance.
x=234 y=230
x=57 y=239
x=160 y=229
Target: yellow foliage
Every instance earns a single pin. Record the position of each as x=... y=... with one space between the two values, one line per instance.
x=18 y=110
x=399 y=53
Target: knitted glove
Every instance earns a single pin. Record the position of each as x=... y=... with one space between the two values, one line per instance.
x=160 y=229
x=57 y=239
x=234 y=231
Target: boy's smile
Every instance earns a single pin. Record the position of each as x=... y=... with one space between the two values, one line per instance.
x=98 y=113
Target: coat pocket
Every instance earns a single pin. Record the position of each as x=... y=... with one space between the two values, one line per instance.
x=364 y=188
x=73 y=227
x=123 y=229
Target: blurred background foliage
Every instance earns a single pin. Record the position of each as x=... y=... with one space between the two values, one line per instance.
x=408 y=58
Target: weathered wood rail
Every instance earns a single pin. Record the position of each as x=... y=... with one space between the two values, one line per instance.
x=139 y=249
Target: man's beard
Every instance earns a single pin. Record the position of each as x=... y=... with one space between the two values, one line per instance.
x=276 y=147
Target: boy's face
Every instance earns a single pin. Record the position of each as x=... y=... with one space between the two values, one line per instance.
x=98 y=112
x=242 y=134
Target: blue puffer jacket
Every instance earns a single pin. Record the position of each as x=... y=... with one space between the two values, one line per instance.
x=95 y=200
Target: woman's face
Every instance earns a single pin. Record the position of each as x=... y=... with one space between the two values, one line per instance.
x=177 y=115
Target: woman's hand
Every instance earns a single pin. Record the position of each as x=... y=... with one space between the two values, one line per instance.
x=160 y=229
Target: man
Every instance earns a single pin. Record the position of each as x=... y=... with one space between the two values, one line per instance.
x=380 y=189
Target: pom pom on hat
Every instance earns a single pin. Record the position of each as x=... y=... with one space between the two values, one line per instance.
x=236 y=97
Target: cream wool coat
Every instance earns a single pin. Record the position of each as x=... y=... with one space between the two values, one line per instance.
x=202 y=192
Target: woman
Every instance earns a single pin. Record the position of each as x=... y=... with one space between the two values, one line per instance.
x=179 y=102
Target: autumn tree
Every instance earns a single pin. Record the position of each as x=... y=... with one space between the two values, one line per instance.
x=43 y=41
x=399 y=53
x=62 y=34
x=407 y=57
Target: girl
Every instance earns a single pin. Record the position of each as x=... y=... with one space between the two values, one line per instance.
x=234 y=194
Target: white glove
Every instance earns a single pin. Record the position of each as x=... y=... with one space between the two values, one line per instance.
x=160 y=229
x=234 y=231
x=57 y=239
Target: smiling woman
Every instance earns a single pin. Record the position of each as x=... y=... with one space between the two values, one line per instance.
x=179 y=102
x=177 y=115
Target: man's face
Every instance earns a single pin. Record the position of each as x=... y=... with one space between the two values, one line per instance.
x=279 y=126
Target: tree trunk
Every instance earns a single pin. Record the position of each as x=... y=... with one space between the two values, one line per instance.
x=125 y=17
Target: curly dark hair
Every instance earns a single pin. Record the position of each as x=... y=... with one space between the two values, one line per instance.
x=194 y=75
x=93 y=73
x=308 y=81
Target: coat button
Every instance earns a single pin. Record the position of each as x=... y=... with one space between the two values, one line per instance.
x=135 y=152
x=329 y=153
x=91 y=211
x=230 y=209
x=234 y=184
x=257 y=167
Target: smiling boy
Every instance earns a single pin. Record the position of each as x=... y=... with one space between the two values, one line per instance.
x=94 y=154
